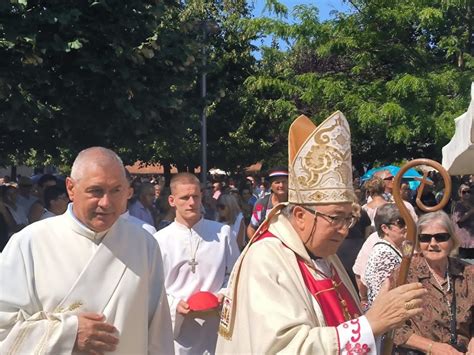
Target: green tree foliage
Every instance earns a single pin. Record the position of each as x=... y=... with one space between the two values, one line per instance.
x=82 y=73
x=127 y=75
x=221 y=47
x=400 y=71
x=121 y=74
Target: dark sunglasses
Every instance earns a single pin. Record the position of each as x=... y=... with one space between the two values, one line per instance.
x=400 y=223
x=439 y=237
x=465 y=192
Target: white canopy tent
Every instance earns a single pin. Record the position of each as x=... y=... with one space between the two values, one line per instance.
x=458 y=154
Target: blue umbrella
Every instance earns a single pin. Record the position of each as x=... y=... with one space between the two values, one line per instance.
x=410 y=174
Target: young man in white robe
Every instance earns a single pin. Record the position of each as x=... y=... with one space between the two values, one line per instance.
x=87 y=281
x=198 y=255
x=288 y=291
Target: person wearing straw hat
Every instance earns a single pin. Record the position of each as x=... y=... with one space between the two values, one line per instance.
x=288 y=292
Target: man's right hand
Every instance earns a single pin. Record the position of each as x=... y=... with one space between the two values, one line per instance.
x=183 y=307
x=391 y=308
x=94 y=335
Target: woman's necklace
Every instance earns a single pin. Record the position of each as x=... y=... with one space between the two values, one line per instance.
x=439 y=280
x=451 y=303
x=192 y=262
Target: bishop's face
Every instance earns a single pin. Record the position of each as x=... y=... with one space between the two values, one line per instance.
x=186 y=199
x=323 y=231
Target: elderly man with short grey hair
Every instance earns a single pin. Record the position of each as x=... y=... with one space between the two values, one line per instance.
x=86 y=281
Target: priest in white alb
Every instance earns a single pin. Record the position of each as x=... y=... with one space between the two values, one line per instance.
x=198 y=256
x=288 y=292
x=87 y=281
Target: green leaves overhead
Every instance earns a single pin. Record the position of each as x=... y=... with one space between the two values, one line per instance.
x=395 y=68
x=128 y=75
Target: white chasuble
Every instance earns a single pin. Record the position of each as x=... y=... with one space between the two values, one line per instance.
x=196 y=259
x=54 y=269
x=270 y=309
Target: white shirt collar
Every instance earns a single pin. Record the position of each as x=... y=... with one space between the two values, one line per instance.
x=82 y=229
x=193 y=227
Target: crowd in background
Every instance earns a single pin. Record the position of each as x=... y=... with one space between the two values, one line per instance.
x=29 y=199
x=370 y=253
x=25 y=200
x=231 y=200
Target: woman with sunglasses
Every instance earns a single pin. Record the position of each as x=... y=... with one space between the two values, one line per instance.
x=446 y=326
x=463 y=220
x=385 y=255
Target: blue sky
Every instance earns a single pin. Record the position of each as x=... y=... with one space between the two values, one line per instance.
x=324 y=6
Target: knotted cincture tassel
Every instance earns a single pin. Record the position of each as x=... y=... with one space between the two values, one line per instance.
x=410 y=241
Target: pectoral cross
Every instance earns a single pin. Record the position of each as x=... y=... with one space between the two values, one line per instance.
x=193 y=264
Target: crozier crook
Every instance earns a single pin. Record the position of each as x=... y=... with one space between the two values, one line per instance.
x=409 y=244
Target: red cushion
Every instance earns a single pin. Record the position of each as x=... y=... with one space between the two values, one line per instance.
x=203 y=301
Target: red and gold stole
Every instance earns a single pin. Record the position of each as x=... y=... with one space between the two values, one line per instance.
x=337 y=304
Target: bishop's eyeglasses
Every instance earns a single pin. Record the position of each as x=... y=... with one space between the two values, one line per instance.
x=335 y=221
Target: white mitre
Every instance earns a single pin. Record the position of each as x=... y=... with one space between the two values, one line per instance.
x=320 y=164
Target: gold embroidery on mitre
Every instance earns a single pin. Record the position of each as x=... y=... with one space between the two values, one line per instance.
x=321 y=171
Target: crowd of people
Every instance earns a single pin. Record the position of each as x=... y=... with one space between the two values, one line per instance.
x=26 y=200
x=302 y=260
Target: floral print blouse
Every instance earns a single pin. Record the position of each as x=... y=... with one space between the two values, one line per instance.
x=434 y=322
x=383 y=260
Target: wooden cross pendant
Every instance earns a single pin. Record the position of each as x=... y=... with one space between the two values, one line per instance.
x=193 y=264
